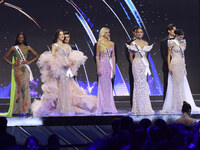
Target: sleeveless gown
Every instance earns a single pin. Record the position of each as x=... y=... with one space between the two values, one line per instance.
x=105 y=99
x=22 y=103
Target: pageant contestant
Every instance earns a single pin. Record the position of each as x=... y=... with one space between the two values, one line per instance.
x=178 y=89
x=21 y=102
x=130 y=57
x=164 y=54
x=105 y=59
x=61 y=94
x=140 y=68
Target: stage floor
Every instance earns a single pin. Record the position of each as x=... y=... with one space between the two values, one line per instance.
x=123 y=106
x=86 y=119
x=74 y=132
x=79 y=130
x=122 y=103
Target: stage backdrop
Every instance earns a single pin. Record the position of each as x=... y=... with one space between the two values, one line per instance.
x=39 y=19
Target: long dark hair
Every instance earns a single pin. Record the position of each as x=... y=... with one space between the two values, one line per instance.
x=24 y=42
x=56 y=35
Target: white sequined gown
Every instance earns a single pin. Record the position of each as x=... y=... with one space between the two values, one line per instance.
x=178 y=89
x=141 y=91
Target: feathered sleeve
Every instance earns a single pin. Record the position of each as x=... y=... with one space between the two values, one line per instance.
x=131 y=47
x=148 y=48
x=50 y=65
x=77 y=58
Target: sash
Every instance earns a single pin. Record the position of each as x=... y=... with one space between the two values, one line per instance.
x=23 y=59
x=110 y=62
x=69 y=71
x=145 y=62
x=182 y=53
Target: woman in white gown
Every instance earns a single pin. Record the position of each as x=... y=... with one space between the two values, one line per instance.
x=140 y=68
x=61 y=94
x=178 y=89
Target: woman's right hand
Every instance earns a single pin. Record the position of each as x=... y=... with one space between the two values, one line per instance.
x=15 y=64
x=99 y=73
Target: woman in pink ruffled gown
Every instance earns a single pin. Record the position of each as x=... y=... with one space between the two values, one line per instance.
x=105 y=59
x=61 y=94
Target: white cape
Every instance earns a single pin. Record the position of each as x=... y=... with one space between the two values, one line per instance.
x=168 y=106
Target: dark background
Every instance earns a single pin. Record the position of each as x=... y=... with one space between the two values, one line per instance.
x=55 y=14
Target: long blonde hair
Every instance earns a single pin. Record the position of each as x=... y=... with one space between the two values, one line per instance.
x=100 y=40
x=102 y=32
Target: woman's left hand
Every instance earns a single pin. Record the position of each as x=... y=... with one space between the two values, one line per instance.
x=26 y=62
x=69 y=64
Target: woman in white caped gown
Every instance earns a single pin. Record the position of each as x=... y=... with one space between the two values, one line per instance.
x=178 y=89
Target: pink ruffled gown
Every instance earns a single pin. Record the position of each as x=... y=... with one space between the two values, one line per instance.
x=61 y=94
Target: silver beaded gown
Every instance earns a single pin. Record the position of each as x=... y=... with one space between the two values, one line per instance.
x=141 y=100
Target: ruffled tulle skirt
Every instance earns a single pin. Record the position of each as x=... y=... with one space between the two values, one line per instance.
x=61 y=94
